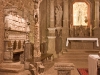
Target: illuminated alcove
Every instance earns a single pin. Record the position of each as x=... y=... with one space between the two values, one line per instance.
x=80 y=22
x=80 y=14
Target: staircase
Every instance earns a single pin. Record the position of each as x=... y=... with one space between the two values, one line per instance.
x=79 y=57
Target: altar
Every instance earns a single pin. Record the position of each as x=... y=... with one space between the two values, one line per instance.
x=82 y=39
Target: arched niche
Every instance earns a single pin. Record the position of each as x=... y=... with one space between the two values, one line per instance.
x=80 y=18
x=80 y=14
x=80 y=9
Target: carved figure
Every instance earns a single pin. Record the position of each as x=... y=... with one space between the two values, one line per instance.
x=58 y=14
x=79 y=17
x=36 y=10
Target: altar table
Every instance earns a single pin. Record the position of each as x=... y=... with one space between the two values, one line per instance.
x=87 y=39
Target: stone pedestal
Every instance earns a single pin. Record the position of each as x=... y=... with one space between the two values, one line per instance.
x=64 y=68
x=51 y=42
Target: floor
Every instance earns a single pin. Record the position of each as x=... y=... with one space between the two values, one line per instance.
x=78 y=57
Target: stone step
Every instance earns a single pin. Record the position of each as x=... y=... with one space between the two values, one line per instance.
x=81 y=62
x=82 y=50
x=72 y=59
x=79 y=57
x=73 y=54
x=80 y=53
x=11 y=67
x=76 y=56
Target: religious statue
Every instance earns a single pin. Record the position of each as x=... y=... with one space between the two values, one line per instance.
x=58 y=14
x=36 y=10
x=79 y=17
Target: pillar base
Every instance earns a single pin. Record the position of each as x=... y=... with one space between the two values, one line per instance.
x=51 y=46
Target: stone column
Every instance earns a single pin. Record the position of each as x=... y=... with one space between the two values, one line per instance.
x=96 y=13
x=64 y=68
x=37 y=53
x=51 y=31
x=65 y=29
x=51 y=13
x=48 y=13
x=97 y=28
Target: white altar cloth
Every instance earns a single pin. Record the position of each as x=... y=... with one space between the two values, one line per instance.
x=88 y=39
x=92 y=64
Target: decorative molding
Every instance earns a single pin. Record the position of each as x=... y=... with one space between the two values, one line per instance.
x=51 y=28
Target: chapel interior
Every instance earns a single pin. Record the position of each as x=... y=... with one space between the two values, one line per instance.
x=49 y=37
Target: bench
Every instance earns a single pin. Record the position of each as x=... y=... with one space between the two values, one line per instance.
x=46 y=56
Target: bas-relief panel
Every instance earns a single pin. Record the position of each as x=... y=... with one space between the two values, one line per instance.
x=80 y=14
x=15 y=22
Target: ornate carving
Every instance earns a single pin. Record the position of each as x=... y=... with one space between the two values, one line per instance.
x=15 y=22
x=58 y=15
x=80 y=31
x=37 y=52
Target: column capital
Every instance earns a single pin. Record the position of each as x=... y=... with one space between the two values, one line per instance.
x=51 y=37
x=51 y=28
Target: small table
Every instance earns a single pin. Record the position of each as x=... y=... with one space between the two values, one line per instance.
x=86 y=39
x=64 y=68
